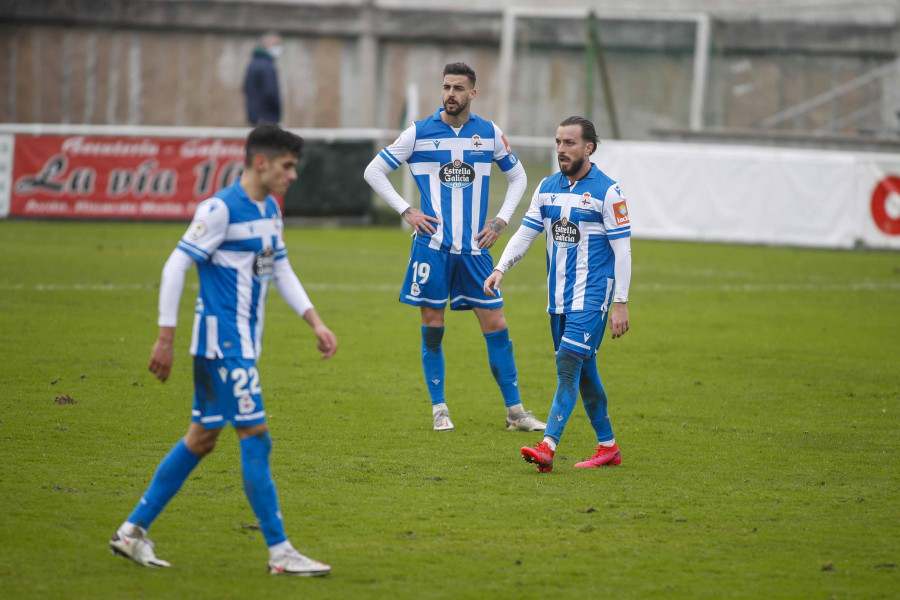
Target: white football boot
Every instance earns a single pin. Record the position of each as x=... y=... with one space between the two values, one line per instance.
x=292 y=562
x=527 y=422
x=442 y=421
x=135 y=545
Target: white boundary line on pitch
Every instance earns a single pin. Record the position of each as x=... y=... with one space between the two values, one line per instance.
x=861 y=286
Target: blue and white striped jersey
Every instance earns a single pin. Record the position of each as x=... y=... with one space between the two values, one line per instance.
x=452 y=172
x=235 y=242
x=579 y=220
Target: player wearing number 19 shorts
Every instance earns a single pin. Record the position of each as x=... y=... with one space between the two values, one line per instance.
x=450 y=155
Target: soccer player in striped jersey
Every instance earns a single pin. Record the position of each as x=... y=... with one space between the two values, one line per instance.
x=450 y=155
x=585 y=218
x=236 y=241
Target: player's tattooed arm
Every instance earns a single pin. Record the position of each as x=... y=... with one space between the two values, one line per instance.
x=492 y=230
x=419 y=221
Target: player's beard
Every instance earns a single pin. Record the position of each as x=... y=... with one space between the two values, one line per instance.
x=457 y=109
x=575 y=165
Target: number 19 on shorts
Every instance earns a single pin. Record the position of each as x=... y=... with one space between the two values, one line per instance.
x=420 y=273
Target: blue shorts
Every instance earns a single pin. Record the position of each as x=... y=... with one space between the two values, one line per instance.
x=579 y=332
x=227 y=389
x=433 y=276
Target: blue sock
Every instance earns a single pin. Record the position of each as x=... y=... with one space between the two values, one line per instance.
x=503 y=365
x=260 y=488
x=433 y=362
x=568 y=371
x=595 y=402
x=170 y=475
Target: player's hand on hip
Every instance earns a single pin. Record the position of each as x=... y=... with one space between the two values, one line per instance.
x=493 y=283
x=327 y=342
x=419 y=221
x=618 y=319
x=161 y=358
x=492 y=230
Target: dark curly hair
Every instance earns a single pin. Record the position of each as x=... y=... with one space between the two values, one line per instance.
x=272 y=141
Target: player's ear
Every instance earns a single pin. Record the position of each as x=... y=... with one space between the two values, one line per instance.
x=260 y=161
x=472 y=94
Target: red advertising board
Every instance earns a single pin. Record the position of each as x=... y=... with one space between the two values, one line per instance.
x=106 y=177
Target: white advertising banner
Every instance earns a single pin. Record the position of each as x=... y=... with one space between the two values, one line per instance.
x=757 y=195
x=7 y=142
x=880 y=188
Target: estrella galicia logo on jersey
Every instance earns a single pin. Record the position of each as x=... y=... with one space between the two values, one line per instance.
x=456 y=174
x=621 y=211
x=565 y=233
x=264 y=264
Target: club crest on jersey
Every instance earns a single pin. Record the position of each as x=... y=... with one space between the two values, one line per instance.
x=586 y=199
x=621 y=211
x=565 y=233
x=246 y=405
x=264 y=264
x=414 y=289
x=456 y=174
x=476 y=142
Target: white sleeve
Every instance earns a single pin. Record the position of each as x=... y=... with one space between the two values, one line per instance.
x=387 y=160
x=617 y=221
x=171 y=286
x=207 y=230
x=517 y=247
x=622 y=249
x=288 y=285
x=518 y=181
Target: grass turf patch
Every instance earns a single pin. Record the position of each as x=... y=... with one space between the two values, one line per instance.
x=755 y=400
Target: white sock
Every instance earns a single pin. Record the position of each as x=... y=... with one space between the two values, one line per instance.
x=516 y=411
x=609 y=444
x=279 y=549
x=551 y=443
x=435 y=408
x=128 y=528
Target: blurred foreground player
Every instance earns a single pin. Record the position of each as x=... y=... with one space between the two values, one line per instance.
x=585 y=217
x=236 y=240
x=450 y=155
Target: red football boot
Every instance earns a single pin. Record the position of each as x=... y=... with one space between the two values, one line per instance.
x=541 y=455
x=603 y=456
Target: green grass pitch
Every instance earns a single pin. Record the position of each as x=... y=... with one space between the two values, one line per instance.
x=756 y=400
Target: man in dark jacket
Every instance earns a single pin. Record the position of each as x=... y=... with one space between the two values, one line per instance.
x=261 y=82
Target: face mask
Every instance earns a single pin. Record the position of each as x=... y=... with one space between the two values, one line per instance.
x=275 y=51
